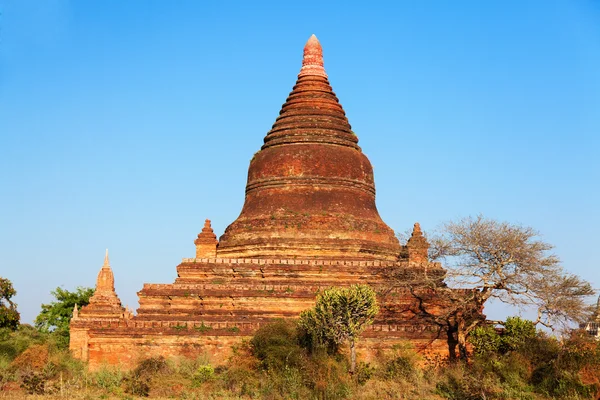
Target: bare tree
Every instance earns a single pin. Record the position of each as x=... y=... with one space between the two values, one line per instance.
x=486 y=259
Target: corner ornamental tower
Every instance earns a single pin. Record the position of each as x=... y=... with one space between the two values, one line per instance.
x=310 y=190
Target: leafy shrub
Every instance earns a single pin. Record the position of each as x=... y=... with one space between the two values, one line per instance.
x=485 y=340
x=108 y=378
x=458 y=382
x=364 y=372
x=203 y=374
x=400 y=367
x=517 y=332
x=241 y=381
x=276 y=345
x=138 y=381
x=14 y=343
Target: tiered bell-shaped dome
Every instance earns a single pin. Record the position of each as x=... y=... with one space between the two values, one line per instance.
x=310 y=190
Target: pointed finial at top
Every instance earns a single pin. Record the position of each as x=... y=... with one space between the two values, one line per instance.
x=106 y=262
x=207 y=223
x=417 y=230
x=312 y=62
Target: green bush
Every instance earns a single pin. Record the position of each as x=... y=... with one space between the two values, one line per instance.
x=485 y=341
x=364 y=372
x=13 y=343
x=517 y=332
x=108 y=378
x=277 y=346
x=203 y=374
x=400 y=367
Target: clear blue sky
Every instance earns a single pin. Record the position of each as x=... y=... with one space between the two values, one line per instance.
x=124 y=124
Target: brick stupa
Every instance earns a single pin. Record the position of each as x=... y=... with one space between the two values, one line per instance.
x=309 y=221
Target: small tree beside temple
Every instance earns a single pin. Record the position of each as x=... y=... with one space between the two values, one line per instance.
x=9 y=316
x=55 y=317
x=341 y=315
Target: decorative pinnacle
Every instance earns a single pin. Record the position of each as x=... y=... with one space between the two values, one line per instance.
x=207 y=235
x=312 y=62
x=417 y=230
x=106 y=262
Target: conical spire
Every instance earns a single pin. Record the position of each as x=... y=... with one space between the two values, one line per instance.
x=312 y=112
x=312 y=62
x=106 y=280
x=417 y=245
x=207 y=235
x=417 y=230
x=206 y=244
x=310 y=190
x=106 y=261
x=104 y=302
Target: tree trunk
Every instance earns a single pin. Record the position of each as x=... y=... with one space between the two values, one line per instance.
x=452 y=342
x=352 y=356
x=462 y=345
x=461 y=336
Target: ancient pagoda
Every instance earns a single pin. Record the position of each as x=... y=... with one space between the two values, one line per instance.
x=593 y=325
x=309 y=221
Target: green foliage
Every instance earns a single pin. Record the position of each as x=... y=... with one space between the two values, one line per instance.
x=9 y=316
x=56 y=316
x=138 y=381
x=204 y=373
x=517 y=332
x=340 y=314
x=400 y=367
x=364 y=372
x=276 y=345
x=485 y=340
x=13 y=343
x=108 y=378
x=203 y=328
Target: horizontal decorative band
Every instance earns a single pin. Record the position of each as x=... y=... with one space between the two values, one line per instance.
x=310 y=181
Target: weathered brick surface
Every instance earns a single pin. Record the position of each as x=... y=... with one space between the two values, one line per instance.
x=216 y=302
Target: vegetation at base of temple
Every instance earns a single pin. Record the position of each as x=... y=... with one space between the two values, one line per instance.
x=279 y=363
x=497 y=260
x=56 y=316
x=9 y=316
x=339 y=316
